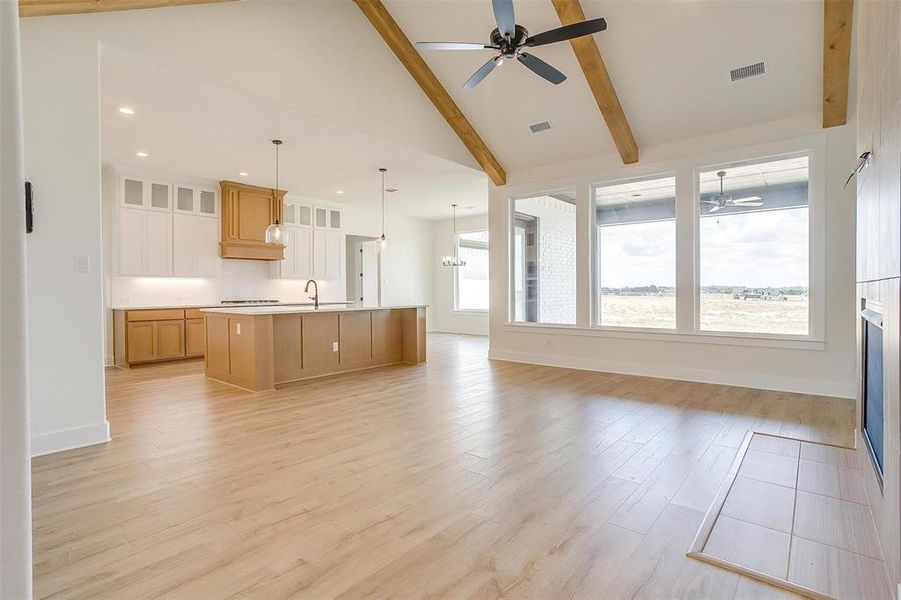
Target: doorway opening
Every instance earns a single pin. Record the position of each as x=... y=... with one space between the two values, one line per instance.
x=363 y=271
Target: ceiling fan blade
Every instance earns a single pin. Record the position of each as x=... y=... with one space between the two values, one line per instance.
x=505 y=17
x=567 y=32
x=708 y=202
x=748 y=201
x=541 y=68
x=481 y=74
x=714 y=209
x=451 y=46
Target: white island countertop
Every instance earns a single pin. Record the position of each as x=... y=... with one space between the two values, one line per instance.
x=284 y=309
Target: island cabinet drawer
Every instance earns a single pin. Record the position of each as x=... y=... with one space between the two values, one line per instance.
x=193 y=313
x=164 y=314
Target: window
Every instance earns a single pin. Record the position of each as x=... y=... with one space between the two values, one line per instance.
x=636 y=253
x=754 y=248
x=471 y=280
x=544 y=259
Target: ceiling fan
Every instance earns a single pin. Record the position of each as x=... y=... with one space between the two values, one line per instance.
x=509 y=40
x=722 y=200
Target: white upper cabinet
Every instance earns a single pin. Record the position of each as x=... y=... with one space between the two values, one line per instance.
x=144 y=192
x=315 y=248
x=166 y=228
x=145 y=243
x=196 y=246
x=195 y=200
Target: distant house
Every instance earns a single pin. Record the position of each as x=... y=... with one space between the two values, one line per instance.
x=758 y=294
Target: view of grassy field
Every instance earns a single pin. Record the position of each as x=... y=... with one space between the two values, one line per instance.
x=719 y=312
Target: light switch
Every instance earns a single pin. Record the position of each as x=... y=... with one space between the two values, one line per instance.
x=81 y=263
x=334 y=346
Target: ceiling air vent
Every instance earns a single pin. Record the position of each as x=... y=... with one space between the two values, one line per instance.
x=747 y=71
x=539 y=127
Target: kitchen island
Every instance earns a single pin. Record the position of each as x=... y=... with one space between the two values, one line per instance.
x=259 y=347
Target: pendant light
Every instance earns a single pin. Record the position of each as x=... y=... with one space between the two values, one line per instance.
x=276 y=233
x=454 y=261
x=383 y=241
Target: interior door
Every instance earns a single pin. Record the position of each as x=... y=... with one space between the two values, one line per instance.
x=369 y=274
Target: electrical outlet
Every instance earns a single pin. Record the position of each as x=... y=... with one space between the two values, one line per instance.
x=237 y=329
x=334 y=346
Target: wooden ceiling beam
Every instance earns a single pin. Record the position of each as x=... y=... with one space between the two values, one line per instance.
x=837 y=19
x=46 y=8
x=394 y=36
x=589 y=56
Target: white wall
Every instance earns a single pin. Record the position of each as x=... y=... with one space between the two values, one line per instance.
x=825 y=367
x=15 y=432
x=444 y=318
x=62 y=159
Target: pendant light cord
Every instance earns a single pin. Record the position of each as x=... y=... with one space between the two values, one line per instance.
x=383 y=201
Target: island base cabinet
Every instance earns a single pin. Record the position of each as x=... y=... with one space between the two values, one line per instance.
x=303 y=345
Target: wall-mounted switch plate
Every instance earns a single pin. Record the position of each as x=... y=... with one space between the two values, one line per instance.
x=334 y=346
x=81 y=263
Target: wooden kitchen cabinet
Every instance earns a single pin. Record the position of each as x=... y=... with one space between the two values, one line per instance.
x=247 y=211
x=170 y=339
x=152 y=335
x=141 y=342
x=195 y=334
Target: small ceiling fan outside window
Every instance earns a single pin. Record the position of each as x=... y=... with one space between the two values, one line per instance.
x=722 y=200
x=509 y=40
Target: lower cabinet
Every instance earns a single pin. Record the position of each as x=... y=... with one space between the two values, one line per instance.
x=151 y=335
x=195 y=332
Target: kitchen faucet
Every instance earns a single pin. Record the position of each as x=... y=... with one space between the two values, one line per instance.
x=315 y=296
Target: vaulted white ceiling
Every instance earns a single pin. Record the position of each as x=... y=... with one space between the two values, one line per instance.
x=669 y=62
x=323 y=63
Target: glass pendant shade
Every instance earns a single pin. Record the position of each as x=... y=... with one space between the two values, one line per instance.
x=276 y=234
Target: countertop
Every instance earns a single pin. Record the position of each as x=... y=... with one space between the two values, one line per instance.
x=216 y=305
x=287 y=309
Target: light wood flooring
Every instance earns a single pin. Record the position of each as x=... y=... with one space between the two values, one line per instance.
x=458 y=478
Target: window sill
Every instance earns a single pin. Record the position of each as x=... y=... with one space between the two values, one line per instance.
x=664 y=335
x=470 y=312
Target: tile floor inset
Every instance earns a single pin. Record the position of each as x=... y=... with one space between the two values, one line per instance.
x=837 y=523
x=739 y=543
x=832 y=480
x=836 y=572
x=761 y=503
x=797 y=512
x=768 y=467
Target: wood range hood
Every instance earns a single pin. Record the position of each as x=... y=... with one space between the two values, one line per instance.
x=247 y=210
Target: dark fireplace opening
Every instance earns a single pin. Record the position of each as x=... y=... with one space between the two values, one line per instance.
x=872 y=413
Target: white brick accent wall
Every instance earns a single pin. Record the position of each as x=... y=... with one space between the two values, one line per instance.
x=556 y=257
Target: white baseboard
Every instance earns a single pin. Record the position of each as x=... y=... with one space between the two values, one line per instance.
x=68 y=439
x=817 y=387
x=462 y=330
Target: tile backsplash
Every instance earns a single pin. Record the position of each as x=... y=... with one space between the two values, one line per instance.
x=238 y=279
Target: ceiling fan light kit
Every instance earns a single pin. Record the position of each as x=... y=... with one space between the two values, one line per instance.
x=509 y=40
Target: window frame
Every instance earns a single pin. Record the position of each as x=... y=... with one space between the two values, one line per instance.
x=815 y=249
x=685 y=167
x=478 y=246
x=511 y=216
x=595 y=262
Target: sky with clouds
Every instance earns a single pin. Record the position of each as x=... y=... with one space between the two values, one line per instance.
x=757 y=249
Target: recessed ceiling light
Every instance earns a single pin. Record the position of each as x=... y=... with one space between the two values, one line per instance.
x=242 y=173
x=339 y=191
x=126 y=110
x=142 y=154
